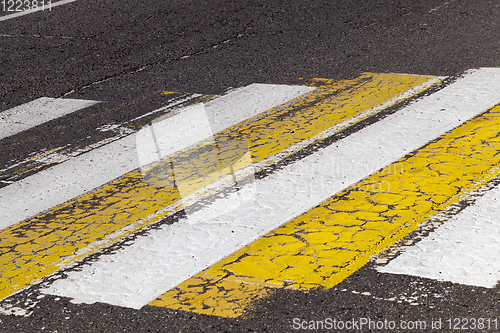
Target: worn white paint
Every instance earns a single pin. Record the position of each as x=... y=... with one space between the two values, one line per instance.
x=154 y=264
x=74 y=177
x=466 y=249
x=37 y=112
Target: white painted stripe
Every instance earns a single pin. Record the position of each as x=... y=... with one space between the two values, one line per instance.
x=46 y=8
x=466 y=249
x=37 y=112
x=140 y=272
x=77 y=176
x=167 y=136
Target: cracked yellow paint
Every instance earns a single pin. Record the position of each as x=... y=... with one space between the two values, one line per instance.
x=43 y=244
x=203 y=295
x=326 y=244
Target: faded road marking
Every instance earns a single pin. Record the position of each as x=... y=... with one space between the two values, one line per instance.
x=174 y=252
x=50 y=241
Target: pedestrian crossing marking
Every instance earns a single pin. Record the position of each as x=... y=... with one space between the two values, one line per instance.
x=55 y=239
x=323 y=246
x=175 y=252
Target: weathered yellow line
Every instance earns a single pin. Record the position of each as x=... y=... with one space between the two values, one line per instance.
x=39 y=246
x=326 y=244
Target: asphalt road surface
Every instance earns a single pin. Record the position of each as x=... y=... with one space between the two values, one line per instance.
x=125 y=59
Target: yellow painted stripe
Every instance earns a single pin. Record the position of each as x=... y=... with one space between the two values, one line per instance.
x=323 y=246
x=41 y=245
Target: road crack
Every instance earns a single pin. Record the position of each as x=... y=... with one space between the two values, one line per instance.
x=154 y=63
